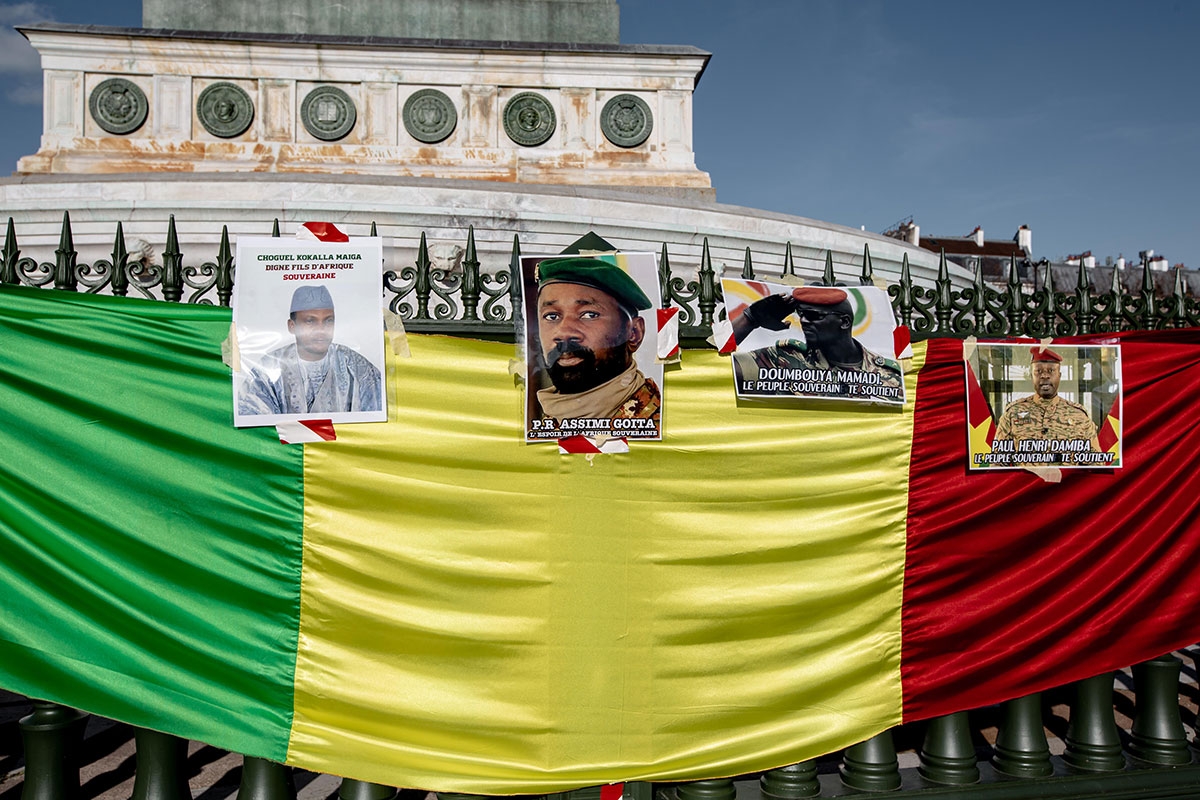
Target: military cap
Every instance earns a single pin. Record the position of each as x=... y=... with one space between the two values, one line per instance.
x=1039 y=353
x=311 y=296
x=608 y=278
x=819 y=295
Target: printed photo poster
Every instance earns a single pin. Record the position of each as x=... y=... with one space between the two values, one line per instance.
x=591 y=328
x=813 y=342
x=1032 y=405
x=309 y=322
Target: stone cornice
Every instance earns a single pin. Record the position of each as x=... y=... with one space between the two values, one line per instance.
x=367 y=58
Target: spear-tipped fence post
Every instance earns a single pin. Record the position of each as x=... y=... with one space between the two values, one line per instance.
x=1051 y=307
x=708 y=287
x=10 y=255
x=747 y=266
x=1016 y=300
x=514 y=280
x=224 y=281
x=52 y=735
x=867 y=276
x=902 y=302
x=119 y=280
x=944 y=307
x=275 y=228
x=664 y=276
x=374 y=230
x=979 y=307
x=172 y=278
x=828 y=279
x=422 y=279
x=161 y=773
x=65 y=257
x=1146 y=321
x=1177 y=314
x=470 y=278
x=1084 y=316
x=1116 y=294
x=789 y=264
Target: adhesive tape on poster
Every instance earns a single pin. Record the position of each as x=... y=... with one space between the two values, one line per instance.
x=229 y=350
x=969 y=344
x=592 y=445
x=394 y=326
x=1048 y=474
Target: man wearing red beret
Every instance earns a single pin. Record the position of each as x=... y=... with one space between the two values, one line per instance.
x=827 y=319
x=1045 y=415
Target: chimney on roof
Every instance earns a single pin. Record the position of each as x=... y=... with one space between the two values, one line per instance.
x=1024 y=239
x=1089 y=260
x=977 y=235
x=1120 y=262
x=1159 y=263
x=911 y=233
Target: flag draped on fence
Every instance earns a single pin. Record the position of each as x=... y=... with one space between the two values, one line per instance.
x=429 y=602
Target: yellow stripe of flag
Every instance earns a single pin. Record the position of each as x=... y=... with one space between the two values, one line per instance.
x=480 y=615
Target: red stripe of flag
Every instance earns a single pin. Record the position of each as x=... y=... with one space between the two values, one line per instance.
x=1014 y=585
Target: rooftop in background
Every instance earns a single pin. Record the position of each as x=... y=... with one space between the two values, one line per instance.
x=585 y=21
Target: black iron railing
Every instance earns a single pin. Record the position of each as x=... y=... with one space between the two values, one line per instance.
x=478 y=302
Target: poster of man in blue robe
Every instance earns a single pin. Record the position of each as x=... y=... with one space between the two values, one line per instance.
x=309 y=323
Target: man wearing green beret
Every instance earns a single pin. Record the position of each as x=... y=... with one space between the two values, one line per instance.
x=829 y=362
x=312 y=375
x=588 y=332
x=1045 y=414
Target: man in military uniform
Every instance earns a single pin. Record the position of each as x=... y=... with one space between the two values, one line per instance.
x=588 y=330
x=847 y=368
x=313 y=375
x=1045 y=415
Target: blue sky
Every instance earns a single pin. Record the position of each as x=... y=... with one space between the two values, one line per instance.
x=1079 y=118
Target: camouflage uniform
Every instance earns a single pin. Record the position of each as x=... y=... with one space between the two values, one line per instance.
x=646 y=402
x=1054 y=419
x=794 y=354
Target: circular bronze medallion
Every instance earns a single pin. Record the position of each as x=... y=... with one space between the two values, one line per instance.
x=328 y=113
x=529 y=119
x=225 y=110
x=118 y=106
x=626 y=120
x=429 y=116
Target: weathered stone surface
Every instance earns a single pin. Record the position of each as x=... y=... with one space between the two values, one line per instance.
x=292 y=85
x=593 y=21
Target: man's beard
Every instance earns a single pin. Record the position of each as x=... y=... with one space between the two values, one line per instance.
x=594 y=368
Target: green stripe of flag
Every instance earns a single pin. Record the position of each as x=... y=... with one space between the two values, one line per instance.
x=164 y=589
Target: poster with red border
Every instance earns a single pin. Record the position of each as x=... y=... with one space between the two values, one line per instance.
x=1038 y=405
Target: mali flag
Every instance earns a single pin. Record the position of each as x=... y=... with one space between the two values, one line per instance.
x=431 y=603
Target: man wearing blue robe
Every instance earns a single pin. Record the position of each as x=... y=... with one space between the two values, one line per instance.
x=313 y=374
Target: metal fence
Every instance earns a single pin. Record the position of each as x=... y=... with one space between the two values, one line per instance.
x=474 y=301
x=953 y=756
